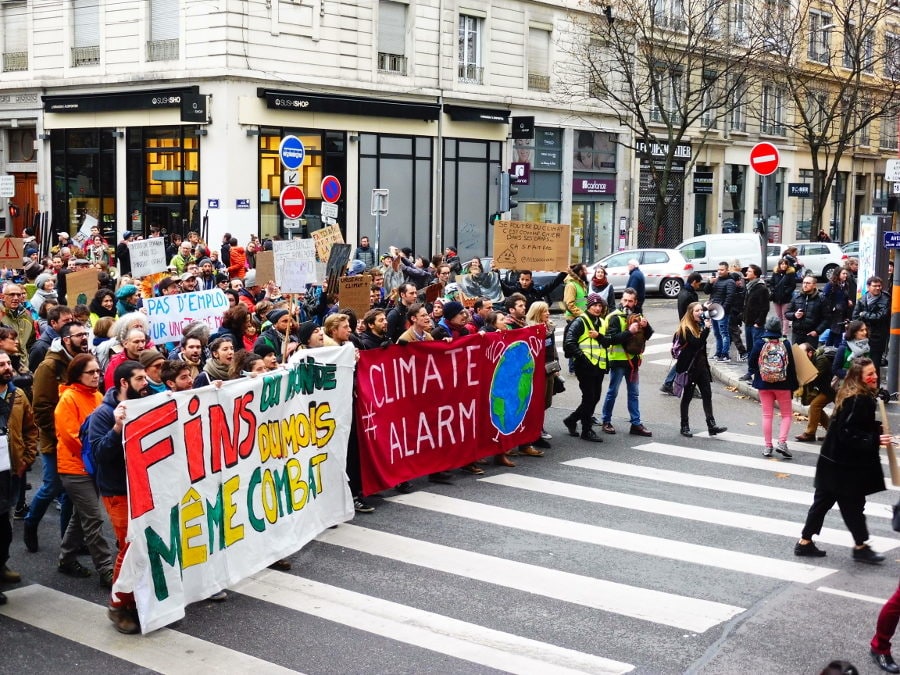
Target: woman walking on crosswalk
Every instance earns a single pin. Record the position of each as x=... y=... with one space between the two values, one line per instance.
x=693 y=332
x=849 y=467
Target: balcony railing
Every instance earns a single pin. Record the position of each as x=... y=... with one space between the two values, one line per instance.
x=391 y=63
x=15 y=61
x=772 y=128
x=162 y=50
x=85 y=56
x=471 y=73
x=538 y=82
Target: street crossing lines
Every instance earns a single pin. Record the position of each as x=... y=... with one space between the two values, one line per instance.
x=640 y=603
x=437 y=633
x=714 y=457
x=744 y=521
x=746 y=439
x=672 y=549
x=164 y=650
x=712 y=483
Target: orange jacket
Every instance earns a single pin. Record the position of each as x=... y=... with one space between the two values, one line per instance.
x=76 y=402
x=238 y=267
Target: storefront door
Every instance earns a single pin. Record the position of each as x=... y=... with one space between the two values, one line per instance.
x=591 y=235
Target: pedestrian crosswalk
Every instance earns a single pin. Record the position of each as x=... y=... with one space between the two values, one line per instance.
x=599 y=546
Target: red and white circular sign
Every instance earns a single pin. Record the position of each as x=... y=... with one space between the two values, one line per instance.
x=292 y=202
x=764 y=158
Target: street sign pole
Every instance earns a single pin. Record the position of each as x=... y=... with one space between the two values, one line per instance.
x=379 y=208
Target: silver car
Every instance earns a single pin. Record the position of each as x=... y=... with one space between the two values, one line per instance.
x=665 y=269
x=818 y=258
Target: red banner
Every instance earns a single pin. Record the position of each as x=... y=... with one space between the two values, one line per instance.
x=433 y=406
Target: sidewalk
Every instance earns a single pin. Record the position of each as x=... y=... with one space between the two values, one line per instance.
x=729 y=373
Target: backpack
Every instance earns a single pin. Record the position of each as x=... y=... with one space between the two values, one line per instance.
x=773 y=361
x=87 y=455
x=678 y=345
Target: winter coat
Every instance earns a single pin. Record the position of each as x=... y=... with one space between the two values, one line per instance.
x=816 y=315
x=237 y=269
x=47 y=378
x=638 y=282
x=875 y=311
x=781 y=286
x=849 y=463
x=721 y=291
x=790 y=383
x=575 y=296
x=76 y=402
x=106 y=444
x=693 y=355
x=686 y=296
x=756 y=304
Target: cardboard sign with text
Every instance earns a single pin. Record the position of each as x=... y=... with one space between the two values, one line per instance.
x=12 y=252
x=81 y=286
x=325 y=239
x=354 y=293
x=299 y=255
x=526 y=245
x=148 y=256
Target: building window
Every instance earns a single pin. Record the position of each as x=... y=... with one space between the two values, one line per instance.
x=738 y=21
x=164 y=31
x=15 y=36
x=892 y=56
x=816 y=110
x=669 y=14
x=392 y=37
x=538 y=59
x=773 y=110
x=710 y=94
x=888 y=133
x=863 y=135
x=858 y=50
x=471 y=70
x=667 y=108
x=85 y=33
x=820 y=27
x=737 y=115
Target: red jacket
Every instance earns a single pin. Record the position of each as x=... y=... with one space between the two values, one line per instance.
x=238 y=267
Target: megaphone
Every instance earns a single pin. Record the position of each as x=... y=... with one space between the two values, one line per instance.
x=715 y=311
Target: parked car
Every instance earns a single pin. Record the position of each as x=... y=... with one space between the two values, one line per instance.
x=665 y=269
x=819 y=258
x=851 y=248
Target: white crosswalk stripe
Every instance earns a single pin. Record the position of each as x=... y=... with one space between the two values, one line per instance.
x=640 y=603
x=438 y=633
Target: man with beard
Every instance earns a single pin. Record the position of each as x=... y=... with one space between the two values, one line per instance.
x=176 y=375
x=756 y=308
x=14 y=314
x=73 y=340
x=134 y=343
x=375 y=334
x=207 y=280
x=105 y=436
x=56 y=317
x=516 y=310
x=190 y=351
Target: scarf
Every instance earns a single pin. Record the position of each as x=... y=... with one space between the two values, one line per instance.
x=216 y=370
x=858 y=347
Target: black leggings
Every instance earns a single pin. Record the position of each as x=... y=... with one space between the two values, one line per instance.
x=590 y=381
x=700 y=377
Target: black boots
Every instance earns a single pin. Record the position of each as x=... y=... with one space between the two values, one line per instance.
x=713 y=428
x=686 y=431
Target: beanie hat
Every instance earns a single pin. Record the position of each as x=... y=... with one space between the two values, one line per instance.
x=595 y=299
x=126 y=290
x=204 y=261
x=307 y=328
x=42 y=279
x=275 y=315
x=263 y=348
x=451 y=309
x=150 y=356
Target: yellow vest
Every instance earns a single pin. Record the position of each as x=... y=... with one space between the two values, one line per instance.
x=590 y=347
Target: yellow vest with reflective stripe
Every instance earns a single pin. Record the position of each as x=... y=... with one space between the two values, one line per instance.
x=590 y=347
x=617 y=352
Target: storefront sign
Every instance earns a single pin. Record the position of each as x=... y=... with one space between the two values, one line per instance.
x=349 y=105
x=523 y=127
x=547 y=159
x=462 y=113
x=802 y=190
x=520 y=173
x=681 y=152
x=703 y=182
x=194 y=108
x=117 y=101
x=594 y=186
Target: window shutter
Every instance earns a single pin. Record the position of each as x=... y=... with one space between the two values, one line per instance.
x=86 y=29
x=15 y=37
x=391 y=28
x=538 y=51
x=164 y=20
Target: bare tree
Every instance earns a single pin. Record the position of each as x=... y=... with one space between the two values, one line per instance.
x=838 y=67
x=673 y=72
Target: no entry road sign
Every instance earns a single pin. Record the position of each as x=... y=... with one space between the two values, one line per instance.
x=764 y=158
x=292 y=202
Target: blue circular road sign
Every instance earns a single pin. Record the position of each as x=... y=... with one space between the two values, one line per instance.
x=331 y=189
x=291 y=152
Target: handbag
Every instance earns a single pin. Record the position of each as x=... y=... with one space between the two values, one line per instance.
x=551 y=367
x=681 y=381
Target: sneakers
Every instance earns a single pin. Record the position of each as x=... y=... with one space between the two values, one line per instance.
x=746 y=377
x=8 y=576
x=781 y=449
x=767 y=452
x=125 y=620
x=20 y=513
x=73 y=568
x=546 y=435
x=743 y=357
x=867 y=555
x=106 y=578
x=608 y=428
x=361 y=506
x=809 y=550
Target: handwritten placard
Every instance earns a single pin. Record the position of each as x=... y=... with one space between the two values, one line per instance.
x=526 y=245
x=300 y=255
x=354 y=293
x=148 y=256
x=325 y=239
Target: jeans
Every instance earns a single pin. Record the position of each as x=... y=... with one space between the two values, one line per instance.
x=751 y=335
x=670 y=378
x=51 y=487
x=87 y=525
x=723 y=335
x=616 y=375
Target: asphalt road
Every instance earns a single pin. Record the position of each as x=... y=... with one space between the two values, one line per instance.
x=645 y=555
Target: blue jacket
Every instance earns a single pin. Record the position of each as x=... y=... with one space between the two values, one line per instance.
x=107 y=448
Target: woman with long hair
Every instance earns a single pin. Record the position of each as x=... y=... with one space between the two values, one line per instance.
x=539 y=314
x=80 y=396
x=837 y=293
x=693 y=331
x=854 y=345
x=600 y=285
x=102 y=304
x=781 y=287
x=849 y=466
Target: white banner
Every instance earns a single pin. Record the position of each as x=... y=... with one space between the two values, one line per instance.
x=169 y=314
x=225 y=481
x=295 y=264
x=148 y=256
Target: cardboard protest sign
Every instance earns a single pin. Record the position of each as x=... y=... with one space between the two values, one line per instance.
x=81 y=286
x=302 y=271
x=476 y=396
x=148 y=256
x=521 y=245
x=265 y=267
x=169 y=314
x=354 y=293
x=325 y=239
x=12 y=252
x=225 y=481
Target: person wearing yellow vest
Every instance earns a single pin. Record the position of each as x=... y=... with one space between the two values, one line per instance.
x=575 y=291
x=584 y=341
x=623 y=363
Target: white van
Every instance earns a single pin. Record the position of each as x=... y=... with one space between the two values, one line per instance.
x=707 y=251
